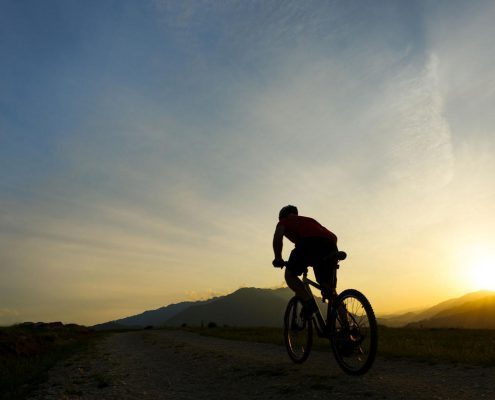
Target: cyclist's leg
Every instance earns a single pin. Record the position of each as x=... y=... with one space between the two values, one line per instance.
x=298 y=264
x=325 y=270
x=295 y=267
x=326 y=275
x=296 y=285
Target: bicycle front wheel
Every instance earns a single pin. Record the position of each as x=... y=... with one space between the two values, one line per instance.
x=298 y=332
x=353 y=336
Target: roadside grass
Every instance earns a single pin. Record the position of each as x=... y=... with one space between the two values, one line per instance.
x=457 y=346
x=27 y=353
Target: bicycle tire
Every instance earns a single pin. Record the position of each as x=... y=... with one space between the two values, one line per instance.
x=298 y=332
x=353 y=337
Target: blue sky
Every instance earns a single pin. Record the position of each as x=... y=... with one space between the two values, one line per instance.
x=146 y=148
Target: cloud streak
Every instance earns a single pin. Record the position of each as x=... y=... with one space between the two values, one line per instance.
x=187 y=125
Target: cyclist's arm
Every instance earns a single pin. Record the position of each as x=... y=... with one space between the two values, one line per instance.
x=278 y=242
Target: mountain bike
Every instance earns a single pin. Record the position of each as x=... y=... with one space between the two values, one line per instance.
x=350 y=324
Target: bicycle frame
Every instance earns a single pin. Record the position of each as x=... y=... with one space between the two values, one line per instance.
x=349 y=323
x=320 y=324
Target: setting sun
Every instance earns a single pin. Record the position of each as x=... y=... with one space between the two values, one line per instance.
x=483 y=271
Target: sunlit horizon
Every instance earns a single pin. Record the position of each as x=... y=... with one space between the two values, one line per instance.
x=146 y=149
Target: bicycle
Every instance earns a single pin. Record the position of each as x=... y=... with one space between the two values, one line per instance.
x=350 y=324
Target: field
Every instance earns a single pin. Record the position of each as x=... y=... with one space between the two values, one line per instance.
x=458 y=346
x=175 y=364
x=27 y=352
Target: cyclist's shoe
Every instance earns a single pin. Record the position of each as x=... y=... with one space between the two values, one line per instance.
x=356 y=336
x=346 y=348
x=308 y=309
x=349 y=341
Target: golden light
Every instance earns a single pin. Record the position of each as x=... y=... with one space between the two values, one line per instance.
x=482 y=273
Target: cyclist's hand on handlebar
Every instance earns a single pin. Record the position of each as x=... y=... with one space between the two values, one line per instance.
x=278 y=263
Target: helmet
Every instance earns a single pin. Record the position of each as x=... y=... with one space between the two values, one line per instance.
x=284 y=212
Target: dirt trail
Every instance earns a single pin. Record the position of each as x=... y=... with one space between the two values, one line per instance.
x=180 y=365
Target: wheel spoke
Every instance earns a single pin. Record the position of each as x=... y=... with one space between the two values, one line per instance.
x=354 y=332
x=297 y=332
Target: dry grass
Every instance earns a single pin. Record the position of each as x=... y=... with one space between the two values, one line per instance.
x=462 y=346
x=458 y=346
x=27 y=353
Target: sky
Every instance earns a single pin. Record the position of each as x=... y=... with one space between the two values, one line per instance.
x=147 y=147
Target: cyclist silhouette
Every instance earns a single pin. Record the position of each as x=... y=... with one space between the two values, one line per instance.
x=313 y=242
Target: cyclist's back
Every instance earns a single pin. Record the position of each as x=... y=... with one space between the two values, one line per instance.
x=297 y=227
x=313 y=242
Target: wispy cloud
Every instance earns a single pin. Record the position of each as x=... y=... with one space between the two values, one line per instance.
x=161 y=175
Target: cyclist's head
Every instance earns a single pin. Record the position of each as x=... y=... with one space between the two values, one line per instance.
x=286 y=211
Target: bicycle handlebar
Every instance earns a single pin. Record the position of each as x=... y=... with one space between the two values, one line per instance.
x=284 y=264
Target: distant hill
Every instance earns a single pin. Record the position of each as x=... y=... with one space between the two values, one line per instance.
x=265 y=307
x=397 y=320
x=152 y=317
x=443 y=312
x=244 y=307
x=476 y=314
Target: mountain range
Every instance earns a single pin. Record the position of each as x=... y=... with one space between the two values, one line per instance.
x=265 y=307
x=244 y=307
x=474 y=310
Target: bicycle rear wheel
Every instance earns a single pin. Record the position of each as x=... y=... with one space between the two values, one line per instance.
x=353 y=336
x=298 y=332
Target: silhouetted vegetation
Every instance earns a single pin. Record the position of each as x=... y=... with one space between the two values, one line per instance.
x=28 y=350
x=463 y=346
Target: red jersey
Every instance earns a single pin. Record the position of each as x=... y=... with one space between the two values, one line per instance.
x=297 y=227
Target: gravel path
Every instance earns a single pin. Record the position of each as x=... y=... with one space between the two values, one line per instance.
x=179 y=365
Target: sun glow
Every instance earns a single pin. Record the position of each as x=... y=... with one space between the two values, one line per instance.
x=483 y=271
